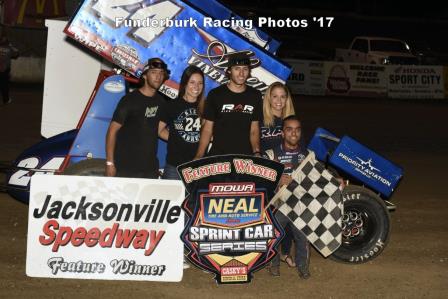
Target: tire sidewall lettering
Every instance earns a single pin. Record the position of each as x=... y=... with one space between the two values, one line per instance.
x=351 y=196
x=379 y=246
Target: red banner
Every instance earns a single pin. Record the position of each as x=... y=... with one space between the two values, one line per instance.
x=32 y=13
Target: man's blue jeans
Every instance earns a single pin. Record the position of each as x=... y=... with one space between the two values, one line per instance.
x=302 y=249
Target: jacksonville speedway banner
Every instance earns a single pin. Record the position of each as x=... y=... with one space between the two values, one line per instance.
x=32 y=13
x=105 y=228
x=416 y=82
x=307 y=77
x=231 y=232
x=365 y=80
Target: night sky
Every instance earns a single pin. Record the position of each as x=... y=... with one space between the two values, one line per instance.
x=423 y=26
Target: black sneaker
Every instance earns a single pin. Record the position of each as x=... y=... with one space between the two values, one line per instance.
x=304 y=273
x=274 y=271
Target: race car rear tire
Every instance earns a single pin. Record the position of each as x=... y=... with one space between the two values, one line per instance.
x=366 y=225
x=88 y=167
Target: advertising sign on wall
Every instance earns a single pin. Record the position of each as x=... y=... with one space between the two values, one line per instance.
x=416 y=82
x=355 y=79
x=307 y=77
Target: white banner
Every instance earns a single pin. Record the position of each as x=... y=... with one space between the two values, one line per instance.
x=105 y=228
x=307 y=77
x=366 y=80
x=415 y=82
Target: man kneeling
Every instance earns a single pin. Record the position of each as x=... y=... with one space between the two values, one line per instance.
x=291 y=153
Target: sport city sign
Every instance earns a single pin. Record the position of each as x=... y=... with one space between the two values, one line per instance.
x=105 y=228
x=230 y=231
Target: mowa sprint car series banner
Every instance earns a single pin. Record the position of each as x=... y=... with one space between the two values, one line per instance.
x=231 y=232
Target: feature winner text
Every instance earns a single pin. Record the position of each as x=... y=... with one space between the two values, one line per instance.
x=213 y=240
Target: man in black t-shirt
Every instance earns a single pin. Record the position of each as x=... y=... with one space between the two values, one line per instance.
x=232 y=114
x=131 y=142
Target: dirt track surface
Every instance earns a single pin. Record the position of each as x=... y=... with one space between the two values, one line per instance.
x=413 y=265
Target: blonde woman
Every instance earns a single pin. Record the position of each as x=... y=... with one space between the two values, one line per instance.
x=277 y=104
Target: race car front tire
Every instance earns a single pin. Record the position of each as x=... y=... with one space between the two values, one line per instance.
x=88 y=167
x=366 y=226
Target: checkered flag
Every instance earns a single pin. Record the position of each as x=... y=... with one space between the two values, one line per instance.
x=313 y=203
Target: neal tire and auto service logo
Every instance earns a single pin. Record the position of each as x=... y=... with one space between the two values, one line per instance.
x=230 y=231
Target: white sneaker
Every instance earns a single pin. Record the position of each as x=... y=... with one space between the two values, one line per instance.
x=8 y=102
x=186 y=265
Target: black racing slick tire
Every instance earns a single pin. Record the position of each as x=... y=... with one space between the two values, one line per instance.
x=88 y=167
x=366 y=226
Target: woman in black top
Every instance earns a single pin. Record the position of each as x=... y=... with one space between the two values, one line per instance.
x=277 y=104
x=184 y=122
